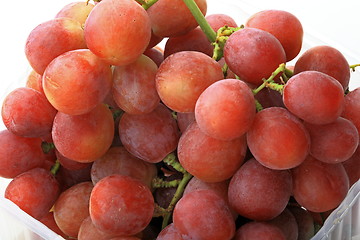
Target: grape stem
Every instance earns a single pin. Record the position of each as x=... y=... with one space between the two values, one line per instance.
x=47 y=147
x=147 y=4
x=55 y=168
x=352 y=67
x=200 y=19
x=178 y=194
x=161 y=183
x=171 y=160
x=222 y=36
x=270 y=81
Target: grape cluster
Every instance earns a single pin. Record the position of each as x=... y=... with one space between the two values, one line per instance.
x=213 y=137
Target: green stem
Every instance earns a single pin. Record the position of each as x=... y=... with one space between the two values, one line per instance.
x=266 y=82
x=148 y=4
x=47 y=147
x=352 y=67
x=179 y=192
x=55 y=168
x=258 y=105
x=172 y=161
x=142 y=2
x=200 y=19
x=161 y=183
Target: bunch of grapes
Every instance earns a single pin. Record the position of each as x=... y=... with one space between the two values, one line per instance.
x=213 y=137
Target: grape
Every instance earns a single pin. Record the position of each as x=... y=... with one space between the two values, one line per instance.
x=156 y=54
x=88 y=231
x=68 y=178
x=259 y=231
x=304 y=221
x=259 y=193
x=283 y=25
x=220 y=188
x=51 y=39
x=221 y=158
x=319 y=186
x=70 y=164
x=184 y=120
x=117 y=160
x=352 y=107
x=72 y=207
x=34 y=191
x=287 y=223
x=19 y=154
x=183 y=76
x=34 y=81
x=327 y=60
x=151 y=136
x=217 y=21
x=253 y=54
x=269 y=98
x=277 y=139
x=208 y=212
x=175 y=18
x=77 y=81
x=194 y=40
x=134 y=88
x=334 y=142
x=84 y=138
x=105 y=27
x=76 y=10
x=315 y=97
x=170 y=233
x=121 y=205
x=352 y=167
x=27 y=113
x=226 y=109
x=49 y=221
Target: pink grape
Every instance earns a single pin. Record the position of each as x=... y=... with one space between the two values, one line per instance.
x=104 y=31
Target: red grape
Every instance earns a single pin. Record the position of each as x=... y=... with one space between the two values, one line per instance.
x=77 y=81
x=259 y=231
x=27 y=113
x=352 y=167
x=170 y=233
x=259 y=193
x=352 y=107
x=175 y=18
x=319 y=186
x=105 y=27
x=88 y=231
x=19 y=154
x=253 y=54
x=334 y=142
x=34 y=191
x=183 y=76
x=208 y=212
x=84 y=138
x=151 y=136
x=287 y=223
x=327 y=60
x=51 y=39
x=226 y=109
x=76 y=10
x=315 y=97
x=286 y=27
x=277 y=139
x=121 y=205
x=34 y=81
x=207 y=158
x=72 y=207
x=119 y=161
x=304 y=221
x=134 y=88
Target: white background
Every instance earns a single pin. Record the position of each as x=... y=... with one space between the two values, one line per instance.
x=334 y=23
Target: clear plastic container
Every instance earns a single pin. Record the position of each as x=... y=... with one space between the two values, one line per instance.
x=342 y=224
